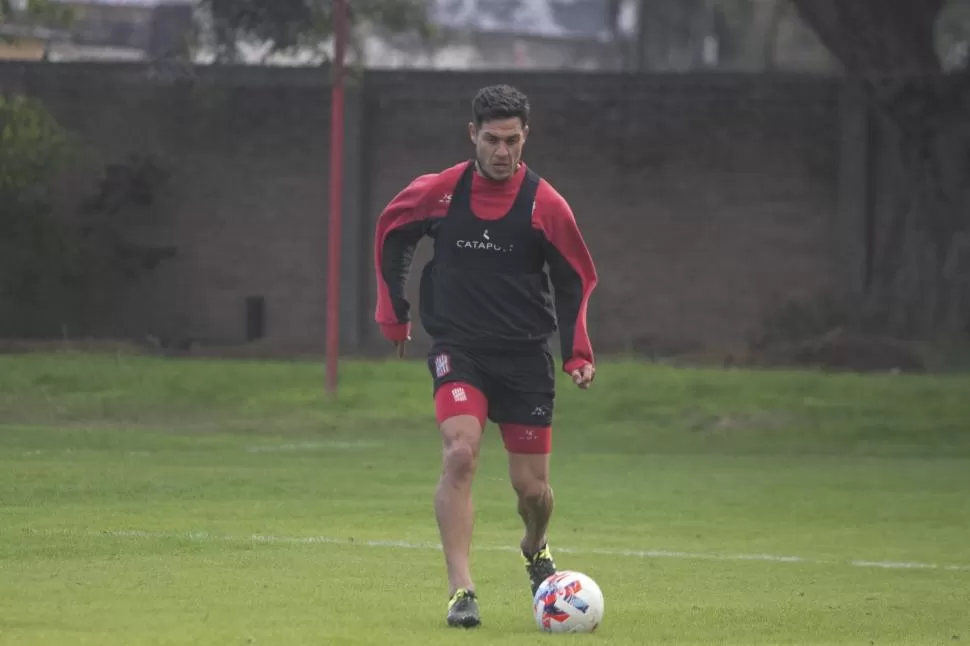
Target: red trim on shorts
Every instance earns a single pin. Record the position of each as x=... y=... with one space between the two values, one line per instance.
x=460 y=398
x=519 y=438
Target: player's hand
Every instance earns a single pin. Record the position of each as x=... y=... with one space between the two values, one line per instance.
x=398 y=334
x=584 y=375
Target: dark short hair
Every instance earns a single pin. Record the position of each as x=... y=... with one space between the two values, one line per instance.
x=500 y=102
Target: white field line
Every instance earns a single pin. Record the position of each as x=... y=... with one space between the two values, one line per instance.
x=293 y=447
x=640 y=554
x=312 y=446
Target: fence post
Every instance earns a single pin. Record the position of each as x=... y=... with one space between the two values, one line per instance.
x=354 y=237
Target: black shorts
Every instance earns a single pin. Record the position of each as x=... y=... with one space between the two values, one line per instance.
x=519 y=386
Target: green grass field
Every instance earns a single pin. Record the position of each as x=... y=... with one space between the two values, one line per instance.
x=154 y=501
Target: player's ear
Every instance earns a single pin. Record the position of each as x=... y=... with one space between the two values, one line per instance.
x=525 y=133
x=472 y=132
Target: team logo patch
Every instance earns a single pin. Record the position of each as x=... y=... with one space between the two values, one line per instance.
x=458 y=394
x=442 y=365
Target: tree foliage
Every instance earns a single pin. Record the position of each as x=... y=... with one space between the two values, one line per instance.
x=36 y=256
x=58 y=274
x=290 y=24
x=38 y=12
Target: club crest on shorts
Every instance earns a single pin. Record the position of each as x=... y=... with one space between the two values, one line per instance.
x=442 y=365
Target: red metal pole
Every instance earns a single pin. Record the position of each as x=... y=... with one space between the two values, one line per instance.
x=340 y=29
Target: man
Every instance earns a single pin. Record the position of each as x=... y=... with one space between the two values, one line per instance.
x=486 y=303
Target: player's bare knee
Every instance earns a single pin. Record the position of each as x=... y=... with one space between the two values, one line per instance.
x=460 y=459
x=529 y=475
x=532 y=487
x=461 y=440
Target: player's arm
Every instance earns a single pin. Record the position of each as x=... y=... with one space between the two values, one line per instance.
x=573 y=276
x=400 y=227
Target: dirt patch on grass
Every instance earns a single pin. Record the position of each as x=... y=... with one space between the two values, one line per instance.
x=835 y=351
x=839 y=350
x=727 y=422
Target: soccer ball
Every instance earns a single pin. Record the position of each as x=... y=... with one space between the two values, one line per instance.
x=568 y=602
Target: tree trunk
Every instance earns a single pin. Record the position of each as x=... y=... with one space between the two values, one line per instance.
x=877 y=37
x=920 y=258
x=919 y=244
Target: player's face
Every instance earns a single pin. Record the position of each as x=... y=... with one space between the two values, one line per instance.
x=498 y=146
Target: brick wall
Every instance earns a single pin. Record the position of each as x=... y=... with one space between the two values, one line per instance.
x=247 y=202
x=704 y=199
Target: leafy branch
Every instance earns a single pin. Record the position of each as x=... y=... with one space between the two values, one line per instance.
x=289 y=25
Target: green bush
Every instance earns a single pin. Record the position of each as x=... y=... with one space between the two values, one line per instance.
x=38 y=258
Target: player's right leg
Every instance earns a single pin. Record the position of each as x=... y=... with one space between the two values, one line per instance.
x=460 y=408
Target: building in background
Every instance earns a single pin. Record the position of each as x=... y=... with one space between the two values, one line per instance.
x=28 y=42
x=155 y=29
x=632 y=35
x=126 y=30
x=581 y=19
x=517 y=34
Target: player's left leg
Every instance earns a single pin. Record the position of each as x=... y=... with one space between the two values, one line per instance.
x=529 y=474
x=528 y=450
x=521 y=403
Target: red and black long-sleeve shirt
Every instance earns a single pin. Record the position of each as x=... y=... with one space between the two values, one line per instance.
x=486 y=286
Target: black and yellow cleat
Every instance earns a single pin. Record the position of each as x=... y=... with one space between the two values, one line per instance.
x=540 y=566
x=463 y=609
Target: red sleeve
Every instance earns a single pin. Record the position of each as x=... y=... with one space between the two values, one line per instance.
x=400 y=227
x=572 y=272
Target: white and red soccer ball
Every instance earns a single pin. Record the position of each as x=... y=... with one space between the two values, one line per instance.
x=568 y=602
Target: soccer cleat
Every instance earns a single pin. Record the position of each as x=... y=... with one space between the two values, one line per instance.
x=540 y=567
x=463 y=609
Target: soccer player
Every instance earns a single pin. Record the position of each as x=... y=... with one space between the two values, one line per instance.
x=486 y=303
